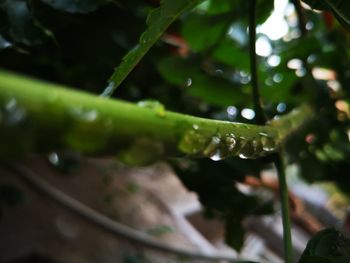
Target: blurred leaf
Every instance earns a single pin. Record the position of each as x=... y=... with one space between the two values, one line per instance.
x=340 y=9
x=212 y=89
x=280 y=88
x=202 y=31
x=76 y=6
x=228 y=53
x=158 y=21
x=239 y=8
x=24 y=28
x=328 y=246
x=215 y=184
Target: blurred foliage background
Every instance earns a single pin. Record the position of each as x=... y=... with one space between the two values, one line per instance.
x=200 y=66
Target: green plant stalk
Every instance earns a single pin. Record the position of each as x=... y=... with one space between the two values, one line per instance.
x=283 y=191
x=258 y=108
x=38 y=116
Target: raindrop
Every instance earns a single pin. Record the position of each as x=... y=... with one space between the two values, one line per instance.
x=188 y=82
x=268 y=144
x=217 y=156
x=54 y=158
x=154 y=105
x=232 y=111
x=11 y=105
x=248 y=114
x=295 y=63
x=263 y=47
x=219 y=72
x=192 y=142
x=269 y=82
x=300 y=72
x=85 y=115
x=281 y=107
x=311 y=58
x=249 y=150
x=231 y=142
x=274 y=60
x=309 y=25
x=14 y=113
x=212 y=148
x=277 y=78
x=108 y=90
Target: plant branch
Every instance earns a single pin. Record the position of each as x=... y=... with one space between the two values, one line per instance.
x=37 y=116
x=258 y=108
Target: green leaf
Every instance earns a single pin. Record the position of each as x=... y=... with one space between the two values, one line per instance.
x=228 y=53
x=80 y=6
x=24 y=28
x=158 y=21
x=202 y=31
x=212 y=89
x=327 y=246
x=340 y=9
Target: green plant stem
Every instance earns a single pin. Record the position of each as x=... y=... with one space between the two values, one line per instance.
x=37 y=116
x=283 y=191
x=258 y=108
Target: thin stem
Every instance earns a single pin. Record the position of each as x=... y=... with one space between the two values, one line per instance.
x=283 y=190
x=258 y=108
x=301 y=17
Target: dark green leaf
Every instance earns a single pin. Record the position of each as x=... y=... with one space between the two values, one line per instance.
x=212 y=89
x=158 y=21
x=24 y=28
x=228 y=53
x=340 y=8
x=329 y=245
x=76 y=6
x=201 y=31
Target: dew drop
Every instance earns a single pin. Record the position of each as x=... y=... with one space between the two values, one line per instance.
x=216 y=156
x=54 y=158
x=192 y=142
x=268 y=144
x=195 y=126
x=213 y=147
x=154 y=105
x=188 y=82
x=14 y=114
x=108 y=90
x=231 y=142
x=85 y=115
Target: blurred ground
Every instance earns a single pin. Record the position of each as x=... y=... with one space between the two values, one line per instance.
x=151 y=200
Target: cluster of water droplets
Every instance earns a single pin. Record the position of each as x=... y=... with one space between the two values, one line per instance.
x=219 y=147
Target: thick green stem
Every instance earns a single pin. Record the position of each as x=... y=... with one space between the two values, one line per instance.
x=258 y=108
x=37 y=116
x=283 y=190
